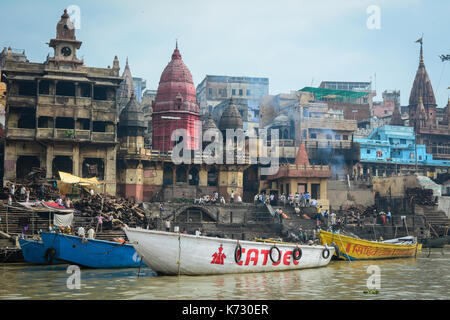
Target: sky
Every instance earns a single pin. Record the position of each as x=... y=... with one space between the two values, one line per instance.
x=293 y=43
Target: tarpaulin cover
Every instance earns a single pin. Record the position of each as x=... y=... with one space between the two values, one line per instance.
x=63 y=220
x=71 y=179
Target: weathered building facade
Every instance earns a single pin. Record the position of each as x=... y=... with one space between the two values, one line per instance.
x=61 y=114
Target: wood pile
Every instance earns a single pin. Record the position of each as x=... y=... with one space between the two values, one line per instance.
x=115 y=209
x=420 y=196
x=33 y=182
x=350 y=214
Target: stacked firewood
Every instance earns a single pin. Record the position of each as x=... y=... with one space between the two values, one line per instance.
x=421 y=196
x=115 y=209
x=350 y=214
x=33 y=182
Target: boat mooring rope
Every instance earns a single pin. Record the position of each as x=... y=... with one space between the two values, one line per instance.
x=179 y=254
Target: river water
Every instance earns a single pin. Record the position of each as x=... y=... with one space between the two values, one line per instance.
x=424 y=277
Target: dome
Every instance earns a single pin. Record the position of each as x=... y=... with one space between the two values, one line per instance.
x=132 y=116
x=209 y=123
x=231 y=118
x=176 y=90
x=281 y=120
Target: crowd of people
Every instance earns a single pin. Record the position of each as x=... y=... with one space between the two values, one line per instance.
x=298 y=200
x=215 y=199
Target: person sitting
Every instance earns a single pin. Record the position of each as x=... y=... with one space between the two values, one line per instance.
x=239 y=199
x=91 y=233
x=222 y=200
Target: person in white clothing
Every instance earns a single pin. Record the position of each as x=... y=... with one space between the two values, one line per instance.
x=91 y=233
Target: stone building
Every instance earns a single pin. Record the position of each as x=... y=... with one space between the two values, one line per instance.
x=302 y=177
x=392 y=150
x=61 y=114
x=213 y=92
x=150 y=174
x=325 y=132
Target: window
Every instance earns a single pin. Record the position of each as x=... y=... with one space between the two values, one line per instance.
x=329 y=136
x=337 y=137
x=210 y=91
x=313 y=136
x=368 y=151
x=233 y=92
x=241 y=92
x=344 y=137
x=402 y=141
x=248 y=92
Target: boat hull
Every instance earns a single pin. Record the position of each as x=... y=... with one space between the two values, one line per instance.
x=91 y=253
x=358 y=249
x=173 y=253
x=34 y=252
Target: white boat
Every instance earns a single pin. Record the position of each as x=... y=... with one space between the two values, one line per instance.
x=172 y=253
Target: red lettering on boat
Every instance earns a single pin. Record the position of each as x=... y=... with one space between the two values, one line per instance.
x=218 y=257
x=266 y=255
x=242 y=253
x=250 y=258
x=286 y=257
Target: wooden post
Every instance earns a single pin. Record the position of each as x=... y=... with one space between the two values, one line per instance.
x=7 y=229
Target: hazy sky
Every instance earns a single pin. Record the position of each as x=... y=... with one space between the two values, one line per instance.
x=293 y=43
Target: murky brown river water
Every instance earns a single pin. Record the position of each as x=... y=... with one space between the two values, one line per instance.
x=420 y=278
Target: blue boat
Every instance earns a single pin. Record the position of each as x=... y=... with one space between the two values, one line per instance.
x=34 y=252
x=90 y=253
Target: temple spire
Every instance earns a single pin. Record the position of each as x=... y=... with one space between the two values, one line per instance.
x=421 y=63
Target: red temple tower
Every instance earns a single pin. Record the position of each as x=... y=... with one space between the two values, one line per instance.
x=175 y=106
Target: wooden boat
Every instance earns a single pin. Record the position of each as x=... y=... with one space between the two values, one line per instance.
x=90 y=253
x=351 y=248
x=438 y=242
x=176 y=253
x=34 y=252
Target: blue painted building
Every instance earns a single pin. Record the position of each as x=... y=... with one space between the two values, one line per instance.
x=395 y=145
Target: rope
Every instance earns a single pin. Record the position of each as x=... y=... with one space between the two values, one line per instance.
x=345 y=250
x=179 y=255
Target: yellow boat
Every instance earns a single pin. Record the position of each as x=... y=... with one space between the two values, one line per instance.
x=351 y=248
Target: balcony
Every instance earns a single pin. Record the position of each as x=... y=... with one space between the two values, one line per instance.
x=82 y=134
x=104 y=137
x=20 y=133
x=44 y=133
x=21 y=101
x=65 y=134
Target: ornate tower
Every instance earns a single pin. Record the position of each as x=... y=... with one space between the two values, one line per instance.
x=422 y=89
x=125 y=90
x=131 y=141
x=65 y=45
x=175 y=106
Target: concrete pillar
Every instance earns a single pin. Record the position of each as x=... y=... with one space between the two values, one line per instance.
x=323 y=189
x=76 y=160
x=203 y=177
x=49 y=162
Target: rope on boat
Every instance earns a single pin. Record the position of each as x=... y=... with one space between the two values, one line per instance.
x=345 y=250
x=179 y=254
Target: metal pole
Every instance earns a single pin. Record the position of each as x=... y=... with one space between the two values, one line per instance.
x=7 y=229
